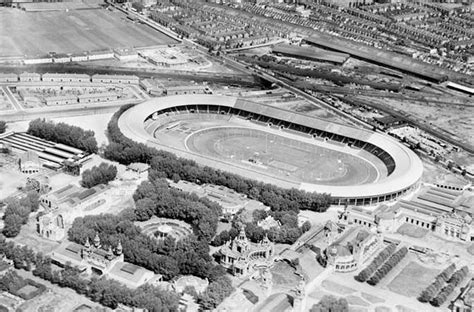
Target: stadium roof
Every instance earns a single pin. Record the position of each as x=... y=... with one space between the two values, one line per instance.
x=408 y=166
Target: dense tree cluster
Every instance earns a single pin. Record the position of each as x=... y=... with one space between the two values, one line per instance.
x=126 y=151
x=17 y=213
x=437 y=295
x=287 y=233
x=102 y=174
x=166 y=257
x=430 y=292
x=64 y=133
x=331 y=304
x=366 y=273
x=215 y=293
x=107 y=292
x=3 y=126
x=155 y=197
x=388 y=266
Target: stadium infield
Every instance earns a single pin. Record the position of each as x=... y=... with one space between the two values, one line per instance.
x=280 y=155
x=38 y=33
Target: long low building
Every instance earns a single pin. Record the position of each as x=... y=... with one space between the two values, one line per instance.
x=403 y=167
x=446 y=212
x=378 y=56
x=310 y=53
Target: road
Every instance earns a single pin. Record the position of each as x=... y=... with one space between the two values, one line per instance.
x=12 y=99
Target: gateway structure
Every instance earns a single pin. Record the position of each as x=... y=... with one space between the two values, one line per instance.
x=355 y=166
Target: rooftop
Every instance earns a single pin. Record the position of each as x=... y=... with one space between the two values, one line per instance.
x=129 y=274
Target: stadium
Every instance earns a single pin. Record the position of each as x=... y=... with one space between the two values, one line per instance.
x=291 y=150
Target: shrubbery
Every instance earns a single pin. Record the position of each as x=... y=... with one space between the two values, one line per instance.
x=366 y=273
x=388 y=266
x=102 y=174
x=65 y=134
x=126 y=151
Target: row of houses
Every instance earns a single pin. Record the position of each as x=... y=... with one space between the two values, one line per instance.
x=152 y=87
x=66 y=58
x=83 y=98
x=65 y=77
x=122 y=54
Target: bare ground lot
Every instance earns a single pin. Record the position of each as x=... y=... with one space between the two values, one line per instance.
x=37 y=33
x=453 y=119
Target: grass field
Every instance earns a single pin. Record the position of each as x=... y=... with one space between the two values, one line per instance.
x=406 y=285
x=412 y=230
x=37 y=33
x=282 y=156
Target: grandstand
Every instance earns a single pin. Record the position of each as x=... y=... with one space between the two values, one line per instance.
x=53 y=154
x=403 y=169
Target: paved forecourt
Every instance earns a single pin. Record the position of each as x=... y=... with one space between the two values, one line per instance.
x=404 y=166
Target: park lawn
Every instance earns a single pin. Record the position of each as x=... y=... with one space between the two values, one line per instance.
x=412 y=230
x=405 y=284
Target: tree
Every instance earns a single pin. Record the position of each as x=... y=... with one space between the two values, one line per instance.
x=102 y=174
x=215 y=293
x=64 y=133
x=3 y=126
x=306 y=226
x=331 y=304
x=12 y=225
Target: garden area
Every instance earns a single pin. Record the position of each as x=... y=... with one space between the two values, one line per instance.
x=24 y=288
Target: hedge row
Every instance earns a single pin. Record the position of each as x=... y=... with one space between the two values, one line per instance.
x=373 y=266
x=454 y=281
x=388 y=266
x=430 y=292
x=126 y=151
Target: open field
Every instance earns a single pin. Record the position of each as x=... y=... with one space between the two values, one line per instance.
x=37 y=33
x=266 y=152
x=404 y=283
x=412 y=230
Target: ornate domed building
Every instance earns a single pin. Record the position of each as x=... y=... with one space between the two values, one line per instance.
x=241 y=255
x=351 y=249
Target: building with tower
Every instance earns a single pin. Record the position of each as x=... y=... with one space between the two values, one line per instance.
x=240 y=256
x=447 y=213
x=29 y=162
x=93 y=258
x=350 y=249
